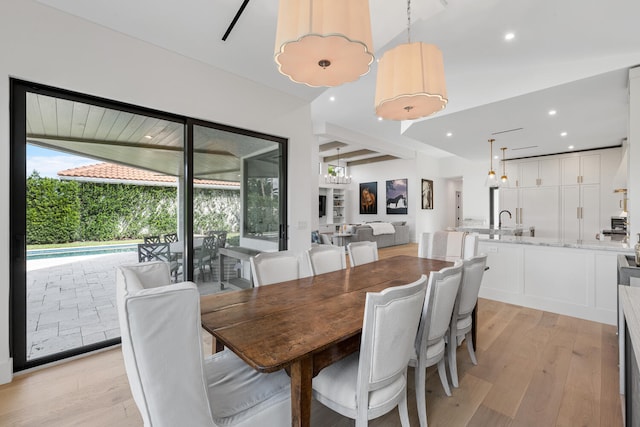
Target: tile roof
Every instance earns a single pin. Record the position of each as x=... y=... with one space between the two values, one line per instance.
x=111 y=171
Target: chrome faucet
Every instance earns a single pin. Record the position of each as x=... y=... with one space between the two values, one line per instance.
x=500 y=217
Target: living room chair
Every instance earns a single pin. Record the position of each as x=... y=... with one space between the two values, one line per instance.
x=171 y=382
x=430 y=347
x=362 y=253
x=462 y=319
x=325 y=258
x=373 y=381
x=449 y=245
x=273 y=267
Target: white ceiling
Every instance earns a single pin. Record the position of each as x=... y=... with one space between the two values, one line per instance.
x=567 y=55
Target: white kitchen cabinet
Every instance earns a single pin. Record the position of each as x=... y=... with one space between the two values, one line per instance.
x=509 y=201
x=540 y=208
x=574 y=281
x=540 y=173
x=580 y=212
x=581 y=170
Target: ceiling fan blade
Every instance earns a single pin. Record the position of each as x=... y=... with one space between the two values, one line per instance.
x=235 y=19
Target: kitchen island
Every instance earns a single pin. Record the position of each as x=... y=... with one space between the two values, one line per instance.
x=573 y=278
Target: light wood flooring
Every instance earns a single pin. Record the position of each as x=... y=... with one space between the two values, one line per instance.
x=534 y=369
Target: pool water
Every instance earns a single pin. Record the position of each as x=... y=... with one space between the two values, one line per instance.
x=80 y=250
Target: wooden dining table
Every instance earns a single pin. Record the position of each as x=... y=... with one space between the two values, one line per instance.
x=306 y=324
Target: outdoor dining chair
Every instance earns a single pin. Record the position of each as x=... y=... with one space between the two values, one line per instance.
x=158 y=252
x=152 y=239
x=171 y=237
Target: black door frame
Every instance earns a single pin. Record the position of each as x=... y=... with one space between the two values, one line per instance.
x=17 y=219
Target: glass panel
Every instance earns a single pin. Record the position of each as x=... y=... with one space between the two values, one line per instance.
x=99 y=182
x=228 y=163
x=262 y=201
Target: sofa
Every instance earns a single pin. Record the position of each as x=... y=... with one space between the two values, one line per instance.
x=364 y=232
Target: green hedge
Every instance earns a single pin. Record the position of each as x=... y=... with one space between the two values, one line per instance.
x=66 y=211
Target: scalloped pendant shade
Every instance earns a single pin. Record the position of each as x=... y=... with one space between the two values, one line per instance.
x=410 y=82
x=323 y=42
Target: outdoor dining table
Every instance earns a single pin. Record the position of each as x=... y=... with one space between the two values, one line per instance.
x=306 y=324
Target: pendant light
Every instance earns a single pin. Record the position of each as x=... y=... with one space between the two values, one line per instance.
x=491 y=177
x=410 y=82
x=337 y=178
x=504 y=180
x=324 y=42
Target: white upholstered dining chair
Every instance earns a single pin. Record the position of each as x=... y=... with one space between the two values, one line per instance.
x=273 y=267
x=171 y=382
x=325 y=258
x=430 y=347
x=462 y=319
x=450 y=245
x=362 y=253
x=373 y=381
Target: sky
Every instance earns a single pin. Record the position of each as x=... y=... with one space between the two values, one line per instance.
x=49 y=162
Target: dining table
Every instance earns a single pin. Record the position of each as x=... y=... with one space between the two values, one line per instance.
x=306 y=324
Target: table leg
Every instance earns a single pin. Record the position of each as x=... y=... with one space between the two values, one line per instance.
x=301 y=375
x=221 y=259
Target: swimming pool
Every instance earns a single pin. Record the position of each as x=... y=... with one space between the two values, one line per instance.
x=80 y=250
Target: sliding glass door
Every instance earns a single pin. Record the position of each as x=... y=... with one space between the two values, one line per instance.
x=96 y=184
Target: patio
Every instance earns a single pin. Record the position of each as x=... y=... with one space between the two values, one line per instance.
x=71 y=301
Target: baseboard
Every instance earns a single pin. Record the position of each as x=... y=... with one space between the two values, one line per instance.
x=6 y=371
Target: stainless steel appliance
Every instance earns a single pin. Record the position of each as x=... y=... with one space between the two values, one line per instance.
x=618 y=230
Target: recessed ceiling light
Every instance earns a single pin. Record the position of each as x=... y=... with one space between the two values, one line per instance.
x=563 y=134
x=552 y=112
x=509 y=36
x=449 y=134
x=332 y=98
x=571 y=147
x=148 y=136
x=496 y=157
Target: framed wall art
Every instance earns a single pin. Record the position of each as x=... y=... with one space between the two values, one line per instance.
x=368 y=198
x=397 y=197
x=427 y=194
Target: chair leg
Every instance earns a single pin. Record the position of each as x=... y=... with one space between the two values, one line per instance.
x=404 y=410
x=472 y=352
x=421 y=399
x=442 y=371
x=453 y=363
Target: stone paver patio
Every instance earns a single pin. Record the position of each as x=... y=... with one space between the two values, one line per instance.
x=71 y=301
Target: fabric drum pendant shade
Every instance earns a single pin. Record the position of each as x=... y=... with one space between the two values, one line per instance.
x=323 y=42
x=410 y=82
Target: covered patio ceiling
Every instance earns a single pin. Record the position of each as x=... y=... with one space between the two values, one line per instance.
x=135 y=140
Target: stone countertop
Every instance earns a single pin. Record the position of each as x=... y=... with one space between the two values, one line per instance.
x=630 y=299
x=559 y=243
x=504 y=231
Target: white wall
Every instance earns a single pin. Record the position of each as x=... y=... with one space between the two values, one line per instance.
x=46 y=46
x=633 y=184
x=475 y=194
x=381 y=173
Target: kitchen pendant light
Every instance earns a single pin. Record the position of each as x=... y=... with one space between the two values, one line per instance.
x=504 y=180
x=323 y=42
x=491 y=177
x=410 y=82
